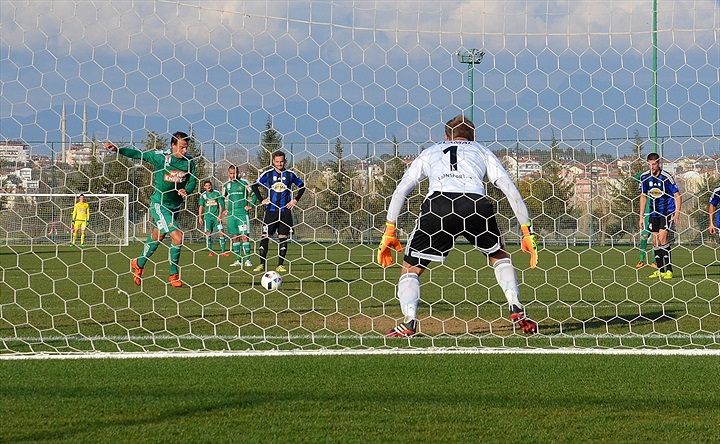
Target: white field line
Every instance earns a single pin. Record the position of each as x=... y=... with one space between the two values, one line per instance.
x=351 y=351
x=384 y=351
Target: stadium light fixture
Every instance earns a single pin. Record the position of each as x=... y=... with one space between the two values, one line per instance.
x=471 y=58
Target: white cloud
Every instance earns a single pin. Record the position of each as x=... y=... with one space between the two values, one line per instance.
x=210 y=54
x=206 y=22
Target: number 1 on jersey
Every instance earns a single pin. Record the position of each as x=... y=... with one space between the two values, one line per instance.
x=453 y=156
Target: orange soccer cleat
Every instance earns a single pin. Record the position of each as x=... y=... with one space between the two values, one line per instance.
x=175 y=280
x=136 y=271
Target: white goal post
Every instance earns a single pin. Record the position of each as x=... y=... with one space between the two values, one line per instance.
x=37 y=219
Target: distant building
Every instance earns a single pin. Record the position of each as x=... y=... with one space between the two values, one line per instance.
x=20 y=180
x=519 y=167
x=79 y=155
x=41 y=161
x=16 y=152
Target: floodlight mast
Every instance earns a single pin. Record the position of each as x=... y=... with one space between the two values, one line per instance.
x=471 y=58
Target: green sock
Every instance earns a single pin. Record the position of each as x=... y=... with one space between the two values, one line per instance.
x=148 y=250
x=174 y=258
x=246 y=249
x=643 y=249
x=222 y=244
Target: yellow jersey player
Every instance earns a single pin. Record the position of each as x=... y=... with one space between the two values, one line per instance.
x=80 y=219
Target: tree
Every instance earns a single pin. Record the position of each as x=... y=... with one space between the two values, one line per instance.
x=548 y=197
x=341 y=202
x=700 y=216
x=195 y=150
x=393 y=170
x=270 y=142
x=187 y=218
x=624 y=194
x=154 y=141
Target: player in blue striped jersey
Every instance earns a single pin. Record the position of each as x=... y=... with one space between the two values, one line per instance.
x=660 y=188
x=278 y=207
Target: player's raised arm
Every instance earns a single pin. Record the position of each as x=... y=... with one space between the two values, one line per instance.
x=132 y=153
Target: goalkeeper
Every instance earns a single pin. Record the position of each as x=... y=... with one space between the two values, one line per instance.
x=173 y=179
x=80 y=219
x=455 y=205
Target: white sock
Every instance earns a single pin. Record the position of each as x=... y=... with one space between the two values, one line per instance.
x=408 y=291
x=506 y=277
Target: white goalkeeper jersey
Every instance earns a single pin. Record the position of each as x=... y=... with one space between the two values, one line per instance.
x=456 y=166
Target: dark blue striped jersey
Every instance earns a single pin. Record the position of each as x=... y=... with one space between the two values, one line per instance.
x=279 y=187
x=660 y=192
x=715 y=201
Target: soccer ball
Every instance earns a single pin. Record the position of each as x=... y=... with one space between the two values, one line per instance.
x=271 y=280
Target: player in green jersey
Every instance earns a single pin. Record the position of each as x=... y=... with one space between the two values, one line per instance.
x=238 y=203
x=210 y=210
x=173 y=179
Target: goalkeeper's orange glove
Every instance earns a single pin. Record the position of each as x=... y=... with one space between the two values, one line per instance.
x=529 y=244
x=388 y=241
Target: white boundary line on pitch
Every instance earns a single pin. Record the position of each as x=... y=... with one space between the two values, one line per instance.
x=393 y=351
x=350 y=351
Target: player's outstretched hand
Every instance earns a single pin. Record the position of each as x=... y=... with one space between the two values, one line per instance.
x=529 y=244
x=388 y=242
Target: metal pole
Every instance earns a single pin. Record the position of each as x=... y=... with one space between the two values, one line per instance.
x=654 y=105
x=472 y=91
x=517 y=163
x=471 y=58
x=592 y=223
x=368 y=168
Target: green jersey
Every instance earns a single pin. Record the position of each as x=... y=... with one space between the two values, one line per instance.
x=170 y=175
x=236 y=194
x=213 y=203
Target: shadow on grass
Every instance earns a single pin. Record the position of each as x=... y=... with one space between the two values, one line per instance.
x=616 y=324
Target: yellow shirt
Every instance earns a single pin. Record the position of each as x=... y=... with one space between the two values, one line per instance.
x=81 y=212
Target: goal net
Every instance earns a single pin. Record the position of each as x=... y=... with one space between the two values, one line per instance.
x=37 y=219
x=571 y=96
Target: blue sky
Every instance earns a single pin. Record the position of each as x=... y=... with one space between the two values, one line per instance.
x=362 y=71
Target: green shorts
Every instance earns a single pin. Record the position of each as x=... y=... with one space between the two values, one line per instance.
x=237 y=225
x=163 y=217
x=212 y=224
x=646 y=226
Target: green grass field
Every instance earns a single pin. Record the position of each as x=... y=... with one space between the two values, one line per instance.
x=363 y=399
x=63 y=299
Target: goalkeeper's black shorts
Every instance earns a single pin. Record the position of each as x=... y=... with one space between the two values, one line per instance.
x=444 y=217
